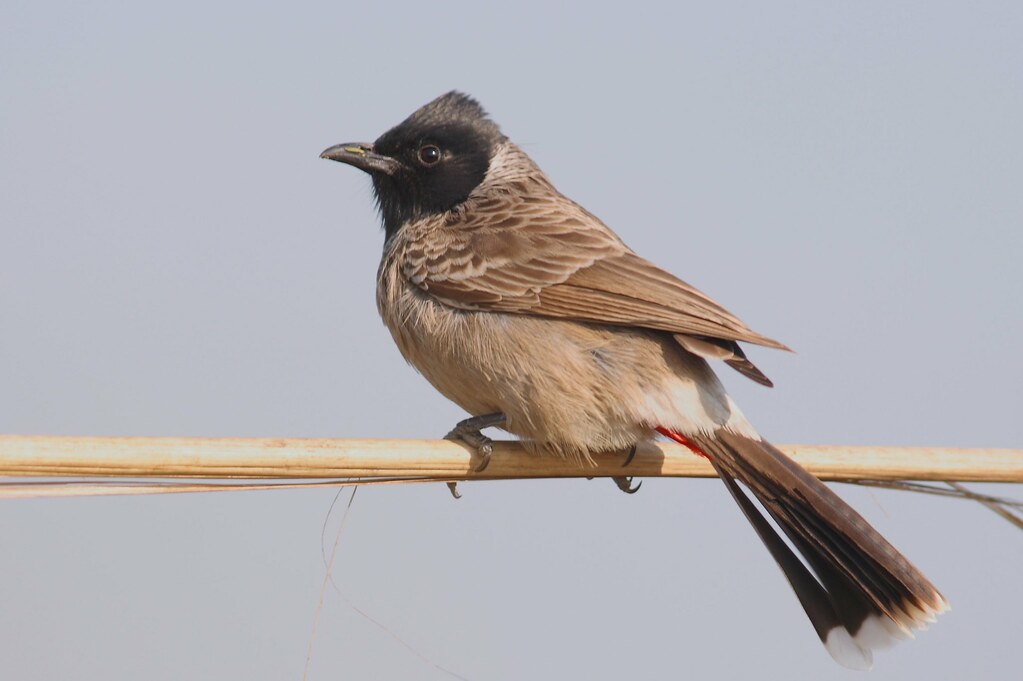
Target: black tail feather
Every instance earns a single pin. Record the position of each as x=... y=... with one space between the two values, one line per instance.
x=862 y=593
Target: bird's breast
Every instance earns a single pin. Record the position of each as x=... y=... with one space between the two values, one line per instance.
x=451 y=348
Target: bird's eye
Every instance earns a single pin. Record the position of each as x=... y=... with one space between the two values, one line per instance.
x=429 y=155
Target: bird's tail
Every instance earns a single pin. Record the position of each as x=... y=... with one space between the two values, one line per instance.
x=862 y=594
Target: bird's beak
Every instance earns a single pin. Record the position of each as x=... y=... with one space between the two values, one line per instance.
x=362 y=156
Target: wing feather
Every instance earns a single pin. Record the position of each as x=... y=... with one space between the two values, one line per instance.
x=541 y=254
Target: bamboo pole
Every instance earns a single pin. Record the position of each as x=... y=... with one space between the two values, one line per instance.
x=279 y=458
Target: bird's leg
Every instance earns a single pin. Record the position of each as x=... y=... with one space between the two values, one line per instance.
x=468 y=431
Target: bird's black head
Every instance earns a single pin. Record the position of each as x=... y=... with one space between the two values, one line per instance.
x=430 y=162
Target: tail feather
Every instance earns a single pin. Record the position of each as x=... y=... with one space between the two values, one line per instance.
x=862 y=594
x=814 y=598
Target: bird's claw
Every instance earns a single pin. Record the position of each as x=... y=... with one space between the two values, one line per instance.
x=625 y=485
x=453 y=486
x=630 y=456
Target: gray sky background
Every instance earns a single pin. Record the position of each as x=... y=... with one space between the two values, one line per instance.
x=176 y=260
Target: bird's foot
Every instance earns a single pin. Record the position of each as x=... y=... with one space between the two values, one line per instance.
x=468 y=431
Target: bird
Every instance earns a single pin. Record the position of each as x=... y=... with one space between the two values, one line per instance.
x=533 y=316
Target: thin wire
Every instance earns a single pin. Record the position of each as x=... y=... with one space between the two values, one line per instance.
x=1009 y=509
x=397 y=638
x=323 y=587
x=1001 y=508
x=47 y=489
x=957 y=491
x=327 y=566
x=323 y=530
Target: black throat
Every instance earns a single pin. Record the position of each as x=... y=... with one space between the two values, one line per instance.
x=455 y=126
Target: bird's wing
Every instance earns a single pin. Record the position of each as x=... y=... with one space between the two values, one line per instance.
x=629 y=290
x=521 y=256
